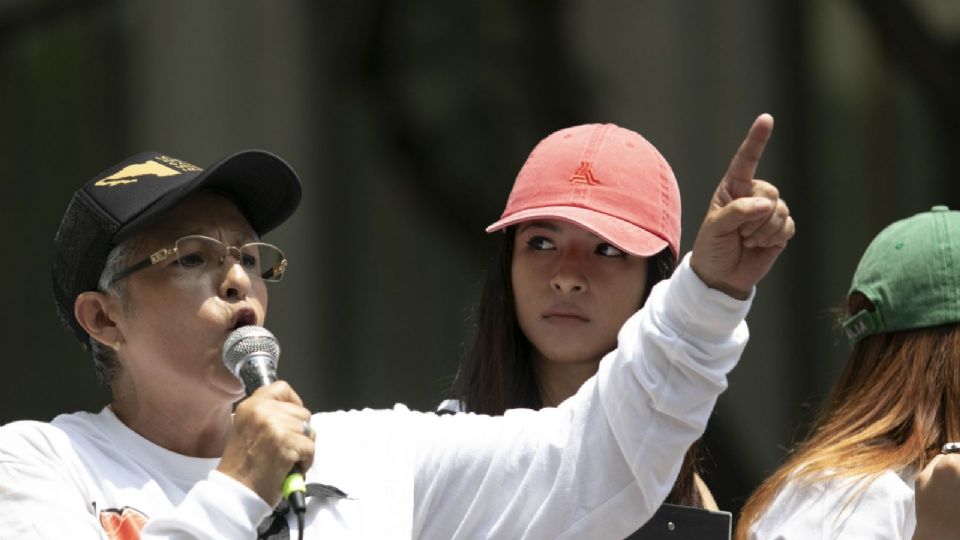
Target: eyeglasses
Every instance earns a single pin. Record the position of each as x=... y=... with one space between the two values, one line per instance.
x=201 y=254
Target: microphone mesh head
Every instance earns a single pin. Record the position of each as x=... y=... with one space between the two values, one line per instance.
x=246 y=341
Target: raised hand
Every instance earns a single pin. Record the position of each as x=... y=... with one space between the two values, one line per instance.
x=747 y=224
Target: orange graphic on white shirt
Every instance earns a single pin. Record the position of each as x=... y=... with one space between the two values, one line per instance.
x=124 y=524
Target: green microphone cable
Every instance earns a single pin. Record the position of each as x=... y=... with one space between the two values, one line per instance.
x=294 y=490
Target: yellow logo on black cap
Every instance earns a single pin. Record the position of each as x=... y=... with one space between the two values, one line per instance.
x=178 y=164
x=133 y=173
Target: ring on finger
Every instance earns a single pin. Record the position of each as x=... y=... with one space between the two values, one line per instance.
x=950 y=448
x=307 y=429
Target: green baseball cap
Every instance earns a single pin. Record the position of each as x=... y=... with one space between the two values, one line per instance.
x=911 y=273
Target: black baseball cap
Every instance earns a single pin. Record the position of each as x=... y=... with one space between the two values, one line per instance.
x=127 y=197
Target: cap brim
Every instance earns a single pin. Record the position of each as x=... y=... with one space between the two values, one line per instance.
x=627 y=236
x=265 y=187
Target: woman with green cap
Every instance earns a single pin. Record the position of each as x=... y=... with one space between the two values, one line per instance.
x=894 y=408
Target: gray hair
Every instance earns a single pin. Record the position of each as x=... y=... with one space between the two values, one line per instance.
x=105 y=360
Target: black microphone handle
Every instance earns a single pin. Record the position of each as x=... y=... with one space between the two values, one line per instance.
x=258 y=370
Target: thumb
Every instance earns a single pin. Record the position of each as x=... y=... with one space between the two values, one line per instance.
x=927 y=471
x=278 y=391
x=739 y=211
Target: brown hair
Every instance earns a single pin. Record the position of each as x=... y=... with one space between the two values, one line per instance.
x=893 y=407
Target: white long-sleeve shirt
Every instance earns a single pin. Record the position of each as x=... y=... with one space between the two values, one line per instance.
x=595 y=467
x=841 y=508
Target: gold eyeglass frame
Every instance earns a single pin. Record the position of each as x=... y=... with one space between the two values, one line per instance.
x=274 y=273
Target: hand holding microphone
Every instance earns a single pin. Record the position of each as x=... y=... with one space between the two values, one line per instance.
x=271 y=428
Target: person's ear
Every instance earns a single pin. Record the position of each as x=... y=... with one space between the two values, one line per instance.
x=96 y=312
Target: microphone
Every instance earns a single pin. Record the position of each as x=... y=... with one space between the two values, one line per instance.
x=251 y=353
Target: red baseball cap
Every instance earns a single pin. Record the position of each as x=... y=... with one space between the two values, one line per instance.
x=604 y=178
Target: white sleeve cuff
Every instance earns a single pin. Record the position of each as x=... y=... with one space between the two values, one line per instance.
x=697 y=309
x=218 y=507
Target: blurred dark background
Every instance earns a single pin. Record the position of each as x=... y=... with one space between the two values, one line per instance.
x=407 y=122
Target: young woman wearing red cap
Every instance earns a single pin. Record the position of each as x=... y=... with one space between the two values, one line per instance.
x=893 y=409
x=592 y=224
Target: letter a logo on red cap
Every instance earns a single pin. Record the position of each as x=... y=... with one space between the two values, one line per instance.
x=584 y=175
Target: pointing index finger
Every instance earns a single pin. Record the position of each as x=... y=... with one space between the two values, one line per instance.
x=744 y=164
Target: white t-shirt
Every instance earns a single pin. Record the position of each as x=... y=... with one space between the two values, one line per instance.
x=841 y=508
x=596 y=467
